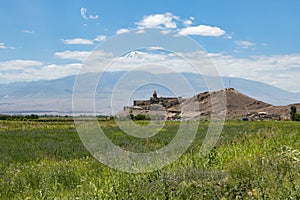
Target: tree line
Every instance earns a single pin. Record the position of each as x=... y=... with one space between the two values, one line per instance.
x=19 y=117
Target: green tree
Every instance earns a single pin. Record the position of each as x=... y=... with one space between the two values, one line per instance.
x=297 y=117
x=293 y=113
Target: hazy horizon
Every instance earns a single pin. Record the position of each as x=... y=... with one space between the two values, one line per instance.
x=244 y=41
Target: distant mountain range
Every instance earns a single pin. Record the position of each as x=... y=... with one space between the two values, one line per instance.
x=55 y=96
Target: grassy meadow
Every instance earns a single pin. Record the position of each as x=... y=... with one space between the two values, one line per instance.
x=252 y=160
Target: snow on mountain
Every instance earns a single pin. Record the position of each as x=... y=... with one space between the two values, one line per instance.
x=135 y=54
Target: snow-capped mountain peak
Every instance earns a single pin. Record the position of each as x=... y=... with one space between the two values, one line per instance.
x=135 y=54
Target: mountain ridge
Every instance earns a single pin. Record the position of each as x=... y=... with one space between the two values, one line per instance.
x=56 y=95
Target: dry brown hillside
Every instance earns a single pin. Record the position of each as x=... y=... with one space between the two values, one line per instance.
x=236 y=104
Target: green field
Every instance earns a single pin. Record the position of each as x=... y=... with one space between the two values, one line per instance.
x=252 y=160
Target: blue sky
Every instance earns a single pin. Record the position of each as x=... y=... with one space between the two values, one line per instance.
x=260 y=38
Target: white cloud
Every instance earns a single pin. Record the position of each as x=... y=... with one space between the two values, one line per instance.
x=3 y=46
x=202 y=30
x=58 y=71
x=95 y=56
x=78 y=41
x=72 y=55
x=27 y=71
x=170 y=21
x=19 y=64
x=122 y=30
x=228 y=37
x=165 y=32
x=244 y=44
x=155 y=48
x=187 y=22
x=27 y=31
x=83 y=14
x=140 y=31
x=166 y=20
x=278 y=70
x=100 y=38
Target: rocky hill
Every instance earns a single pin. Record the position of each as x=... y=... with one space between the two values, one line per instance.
x=236 y=104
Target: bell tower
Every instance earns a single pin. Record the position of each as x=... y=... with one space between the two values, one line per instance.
x=154 y=96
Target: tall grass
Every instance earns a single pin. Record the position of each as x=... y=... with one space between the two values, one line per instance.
x=252 y=160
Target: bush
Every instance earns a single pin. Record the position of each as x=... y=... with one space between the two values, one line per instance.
x=140 y=117
x=293 y=113
x=297 y=117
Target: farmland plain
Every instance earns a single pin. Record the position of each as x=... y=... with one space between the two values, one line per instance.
x=252 y=160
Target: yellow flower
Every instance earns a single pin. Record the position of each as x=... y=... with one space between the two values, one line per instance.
x=254 y=191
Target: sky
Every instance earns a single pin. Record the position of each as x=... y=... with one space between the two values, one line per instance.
x=256 y=40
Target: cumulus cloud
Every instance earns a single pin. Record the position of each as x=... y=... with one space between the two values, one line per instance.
x=192 y=18
x=172 y=22
x=244 y=44
x=187 y=22
x=97 y=56
x=19 y=64
x=72 y=55
x=166 y=20
x=34 y=70
x=83 y=14
x=78 y=41
x=100 y=38
x=122 y=30
x=202 y=30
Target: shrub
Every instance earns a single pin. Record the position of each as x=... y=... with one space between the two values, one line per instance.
x=297 y=117
x=293 y=113
x=140 y=117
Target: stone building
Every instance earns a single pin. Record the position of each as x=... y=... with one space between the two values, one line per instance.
x=163 y=101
